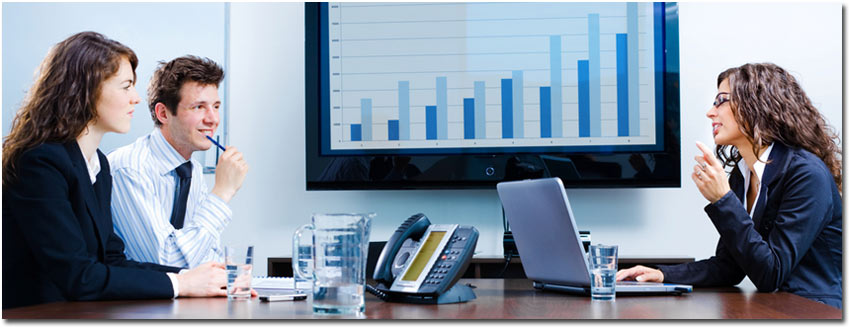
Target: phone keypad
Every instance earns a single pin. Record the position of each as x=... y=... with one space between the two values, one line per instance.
x=449 y=257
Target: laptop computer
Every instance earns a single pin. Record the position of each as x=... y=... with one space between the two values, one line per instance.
x=548 y=242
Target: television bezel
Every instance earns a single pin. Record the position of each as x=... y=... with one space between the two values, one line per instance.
x=668 y=157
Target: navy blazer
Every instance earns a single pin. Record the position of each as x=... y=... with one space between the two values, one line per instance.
x=793 y=241
x=58 y=241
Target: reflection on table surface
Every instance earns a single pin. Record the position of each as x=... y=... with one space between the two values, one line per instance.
x=496 y=299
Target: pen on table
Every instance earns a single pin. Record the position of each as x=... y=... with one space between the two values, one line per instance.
x=285 y=297
x=215 y=142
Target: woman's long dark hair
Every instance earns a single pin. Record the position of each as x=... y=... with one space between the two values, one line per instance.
x=769 y=106
x=61 y=102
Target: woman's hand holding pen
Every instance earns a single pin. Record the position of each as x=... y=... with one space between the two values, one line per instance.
x=709 y=175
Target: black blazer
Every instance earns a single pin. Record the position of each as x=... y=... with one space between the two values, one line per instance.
x=792 y=243
x=58 y=241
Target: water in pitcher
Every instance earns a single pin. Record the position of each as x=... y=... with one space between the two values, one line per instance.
x=339 y=274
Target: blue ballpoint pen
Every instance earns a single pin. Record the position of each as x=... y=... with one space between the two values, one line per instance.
x=215 y=142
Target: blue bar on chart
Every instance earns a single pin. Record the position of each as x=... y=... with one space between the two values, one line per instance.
x=545 y=112
x=404 y=110
x=583 y=99
x=595 y=91
x=366 y=118
x=622 y=86
x=480 y=118
x=468 y=118
x=356 y=133
x=555 y=78
x=632 y=46
x=431 y=122
x=518 y=113
x=507 y=109
x=392 y=130
x=442 y=109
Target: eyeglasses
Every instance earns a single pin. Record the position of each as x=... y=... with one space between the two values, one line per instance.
x=721 y=98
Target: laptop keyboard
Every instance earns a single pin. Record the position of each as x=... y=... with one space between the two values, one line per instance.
x=636 y=283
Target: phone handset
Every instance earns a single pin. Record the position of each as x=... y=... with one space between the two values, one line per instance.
x=412 y=228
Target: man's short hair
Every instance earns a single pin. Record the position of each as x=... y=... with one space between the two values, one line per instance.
x=169 y=78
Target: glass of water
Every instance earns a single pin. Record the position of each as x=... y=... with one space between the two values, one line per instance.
x=603 y=271
x=302 y=265
x=238 y=262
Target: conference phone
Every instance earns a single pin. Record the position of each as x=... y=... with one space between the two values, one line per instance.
x=422 y=263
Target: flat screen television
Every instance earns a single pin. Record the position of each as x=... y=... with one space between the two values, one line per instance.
x=466 y=95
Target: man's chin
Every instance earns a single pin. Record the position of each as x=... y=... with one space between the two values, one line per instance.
x=203 y=146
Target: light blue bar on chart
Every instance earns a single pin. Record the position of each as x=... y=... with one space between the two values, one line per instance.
x=404 y=110
x=480 y=110
x=442 y=109
x=632 y=53
x=555 y=93
x=594 y=72
x=366 y=118
x=519 y=115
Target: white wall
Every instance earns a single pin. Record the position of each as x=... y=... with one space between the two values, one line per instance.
x=267 y=95
x=30 y=29
x=267 y=124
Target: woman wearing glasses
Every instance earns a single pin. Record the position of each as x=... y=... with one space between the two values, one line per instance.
x=779 y=211
x=58 y=241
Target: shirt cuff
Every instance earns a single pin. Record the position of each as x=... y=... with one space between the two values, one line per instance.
x=173 y=278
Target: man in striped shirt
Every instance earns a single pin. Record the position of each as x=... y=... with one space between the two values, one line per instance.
x=161 y=206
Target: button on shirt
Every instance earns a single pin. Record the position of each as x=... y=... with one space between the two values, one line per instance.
x=144 y=185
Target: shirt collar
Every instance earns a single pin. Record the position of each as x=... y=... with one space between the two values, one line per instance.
x=166 y=158
x=92 y=165
x=758 y=166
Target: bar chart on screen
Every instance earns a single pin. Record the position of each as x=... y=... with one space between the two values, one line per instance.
x=470 y=75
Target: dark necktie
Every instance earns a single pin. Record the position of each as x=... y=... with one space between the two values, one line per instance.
x=184 y=174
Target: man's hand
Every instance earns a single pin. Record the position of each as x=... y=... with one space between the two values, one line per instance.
x=229 y=174
x=207 y=280
x=640 y=274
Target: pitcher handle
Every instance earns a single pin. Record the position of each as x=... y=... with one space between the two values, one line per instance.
x=296 y=240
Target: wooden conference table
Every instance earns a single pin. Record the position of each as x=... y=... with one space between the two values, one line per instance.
x=497 y=299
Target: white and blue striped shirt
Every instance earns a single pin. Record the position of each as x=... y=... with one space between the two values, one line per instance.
x=143 y=188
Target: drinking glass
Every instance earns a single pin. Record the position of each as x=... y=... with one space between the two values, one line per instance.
x=603 y=271
x=238 y=263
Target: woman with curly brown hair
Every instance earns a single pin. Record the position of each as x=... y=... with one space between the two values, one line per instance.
x=779 y=213
x=58 y=241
